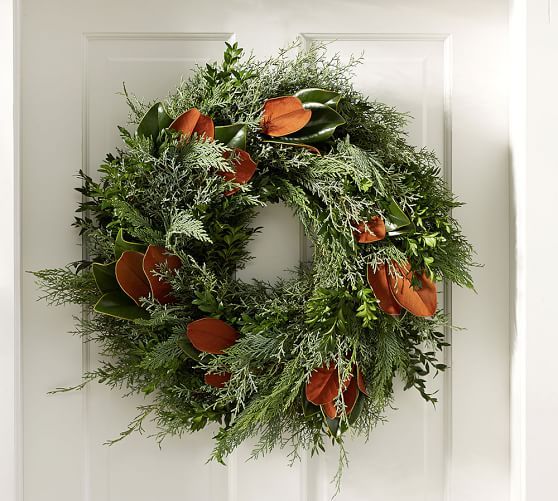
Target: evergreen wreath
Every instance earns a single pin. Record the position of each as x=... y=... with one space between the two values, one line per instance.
x=295 y=362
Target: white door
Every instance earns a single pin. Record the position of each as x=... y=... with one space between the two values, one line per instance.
x=444 y=61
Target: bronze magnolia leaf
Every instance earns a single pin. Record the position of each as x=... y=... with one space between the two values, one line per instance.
x=283 y=116
x=421 y=301
x=378 y=280
x=323 y=385
x=211 y=335
x=130 y=275
x=371 y=231
x=155 y=257
x=192 y=121
x=244 y=166
x=217 y=380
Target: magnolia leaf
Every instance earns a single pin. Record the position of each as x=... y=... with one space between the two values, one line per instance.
x=378 y=280
x=357 y=409
x=321 y=126
x=329 y=409
x=119 y=305
x=155 y=120
x=211 y=335
x=397 y=223
x=284 y=115
x=244 y=169
x=192 y=121
x=332 y=425
x=130 y=275
x=105 y=276
x=217 y=380
x=233 y=136
x=323 y=385
x=188 y=349
x=315 y=95
x=121 y=245
x=371 y=231
x=350 y=395
x=421 y=302
x=156 y=257
x=205 y=127
x=308 y=408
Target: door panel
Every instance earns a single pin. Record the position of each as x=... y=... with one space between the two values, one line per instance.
x=440 y=63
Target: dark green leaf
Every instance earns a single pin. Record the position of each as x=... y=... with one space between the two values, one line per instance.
x=314 y=95
x=119 y=305
x=321 y=126
x=155 y=120
x=188 y=349
x=105 y=277
x=234 y=136
x=332 y=426
x=308 y=408
x=396 y=221
x=121 y=245
x=357 y=409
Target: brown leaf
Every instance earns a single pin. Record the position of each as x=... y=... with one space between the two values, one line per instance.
x=420 y=301
x=323 y=385
x=193 y=121
x=378 y=280
x=283 y=116
x=205 y=127
x=155 y=257
x=371 y=231
x=245 y=168
x=330 y=410
x=217 y=380
x=130 y=275
x=211 y=335
x=350 y=395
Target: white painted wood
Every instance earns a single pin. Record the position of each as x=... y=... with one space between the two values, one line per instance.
x=534 y=168
x=518 y=279
x=443 y=62
x=9 y=250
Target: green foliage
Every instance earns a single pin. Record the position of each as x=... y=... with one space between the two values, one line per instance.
x=160 y=189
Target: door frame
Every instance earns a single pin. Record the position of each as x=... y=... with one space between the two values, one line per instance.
x=10 y=333
x=522 y=42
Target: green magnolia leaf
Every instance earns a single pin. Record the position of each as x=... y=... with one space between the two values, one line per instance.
x=105 y=277
x=315 y=95
x=333 y=426
x=121 y=245
x=119 y=305
x=321 y=126
x=188 y=349
x=397 y=223
x=357 y=409
x=308 y=408
x=234 y=136
x=155 y=120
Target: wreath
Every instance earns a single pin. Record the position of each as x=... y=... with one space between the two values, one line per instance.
x=299 y=361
